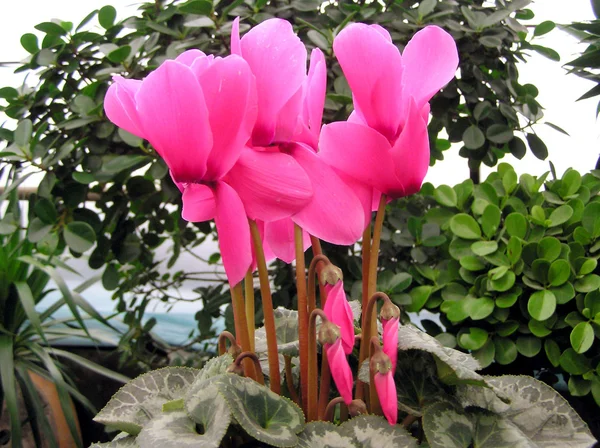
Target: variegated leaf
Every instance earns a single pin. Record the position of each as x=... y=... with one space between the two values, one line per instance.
x=175 y=429
x=263 y=414
x=447 y=427
x=325 y=434
x=142 y=398
x=375 y=432
x=540 y=412
x=122 y=440
x=208 y=408
x=286 y=328
x=214 y=367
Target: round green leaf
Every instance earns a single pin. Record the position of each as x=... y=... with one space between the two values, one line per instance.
x=537 y=146
x=107 y=16
x=482 y=248
x=200 y=7
x=514 y=249
x=552 y=352
x=588 y=283
x=499 y=133
x=516 y=225
x=582 y=337
x=541 y=305
x=79 y=236
x=473 y=338
x=473 y=137
x=589 y=220
x=504 y=283
x=507 y=300
x=30 y=43
x=529 y=346
x=559 y=272
x=549 y=248
x=543 y=28
x=485 y=355
x=517 y=148
x=480 y=308
x=465 y=226
x=506 y=350
x=586 y=265
x=490 y=220
x=538 y=328
x=445 y=195
x=574 y=363
x=119 y=55
x=560 y=215
x=472 y=263
x=110 y=278
x=578 y=387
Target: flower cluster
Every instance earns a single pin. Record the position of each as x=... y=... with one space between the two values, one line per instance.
x=243 y=141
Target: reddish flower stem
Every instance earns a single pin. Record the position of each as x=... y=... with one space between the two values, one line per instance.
x=313 y=273
x=289 y=378
x=221 y=342
x=330 y=410
x=317 y=250
x=267 y=303
x=242 y=330
x=312 y=411
x=366 y=255
x=249 y=295
x=251 y=356
x=302 y=314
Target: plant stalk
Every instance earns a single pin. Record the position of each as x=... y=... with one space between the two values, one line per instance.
x=330 y=410
x=242 y=328
x=302 y=314
x=251 y=356
x=249 y=295
x=289 y=378
x=267 y=303
x=366 y=255
x=312 y=406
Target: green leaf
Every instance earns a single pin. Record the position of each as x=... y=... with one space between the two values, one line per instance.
x=120 y=54
x=574 y=363
x=473 y=338
x=547 y=52
x=263 y=414
x=587 y=283
x=30 y=43
x=426 y=7
x=479 y=309
x=552 y=352
x=490 y=220
x=51 y=28
x=110 y=278
x=516 y=225
x=543 y=28
x=596 y=389
x=37 y=230
x=318 y=39
x=549 y=248
x=136 y=403
x=445 y=196
x=117 y=164
x=503 y=283
x=208 y=409
x=537 y=146
x=324 y=434
x=419 y=296
x=200 y=7
x=447 y=427
x=23 y=133
x=45 y=210
x=569 y=184
x=517 y=148
x=506 y=350
x=465 y=226
x=514 y=249
x=485 y=355
x=499 y=133
x=473 y=137
x=560 y=215
x=559 y=272
x=9 y=388
x=582 y=337
x=106 y=16
x=92 y=366
x=541 y=304
x=538 y=328
x=589 y=220
x=529 y=346
x=482 y=248
x=374 y=431
x=472 y=263
x=578 y=387
x=79 y=236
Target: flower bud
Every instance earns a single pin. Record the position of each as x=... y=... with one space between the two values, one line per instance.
x=234 y=350
x=389 y=311
x=328 y=333
x=380 y=363
x=331 y=274
x=357 y=407
x=235 y=368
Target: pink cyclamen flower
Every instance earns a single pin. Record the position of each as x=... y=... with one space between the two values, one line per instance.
x=290 y=108
x=340 y=369
x=390 y=339
x=386 y=391
x=337 y=309
x=385 y=143
x=198 y=112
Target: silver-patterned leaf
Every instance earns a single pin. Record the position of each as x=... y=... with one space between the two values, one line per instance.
x=142 y=398
x=122 y=440
x=208 y=408
x=541 y=413
x=447 y=427
x=214 y=367
x=375 y=432
x=286 y=328
x=262 y=413
x=325 y=434
x=175 y=429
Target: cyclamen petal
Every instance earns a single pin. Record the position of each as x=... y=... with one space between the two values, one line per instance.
x=340 y=370
x=337 y=309
x=198 y=203
x=386 y=391
x=390 y=340
x=119 y=105
x=279 y=236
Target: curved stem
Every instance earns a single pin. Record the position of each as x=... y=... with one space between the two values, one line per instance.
x=249 y=295
x=240 y=315
x=251 y=356
x=313 y=272
x=289 y=378
x=317 y=250
x=225 y=335
x=330 y=410
x=267 y=303
x=312 y=411
x=302 y=314
x=409 y=420
x=373 y=397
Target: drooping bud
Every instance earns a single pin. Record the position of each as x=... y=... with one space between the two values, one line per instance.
x=357 y=407
x=235 y=368
x=328 y=333
x=234 y=350
x=389 y=311
x=331 y=274
x=380 y=362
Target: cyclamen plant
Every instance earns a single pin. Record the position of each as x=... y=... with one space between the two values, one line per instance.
x=243 y=141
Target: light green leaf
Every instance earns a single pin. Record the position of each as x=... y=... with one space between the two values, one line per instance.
x=582 y=337
x=465 y=226
x=445 y=195
x=79 y=236
x=324 y=434
x=541 y=304
x=482 y=248
x=107 y=16
x=375 y=432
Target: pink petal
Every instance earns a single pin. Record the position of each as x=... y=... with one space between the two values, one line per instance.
x=360 y=152
x=189 y=57
x=334 y=214
x=337 y=309
x=277 y=58
x=430 y=62
x=279 y=235
x=234 y=233
x=373 y=68
x=198 y=203
x=272 y=185
x=288 y=120
x=411 y=152
x=340 y=370
x=386 y=391
x=390 y=340
x=235 y=37
x=174 y=116
x=227 y=86
x=120 y=106
x=314 y=97
x=381 y=30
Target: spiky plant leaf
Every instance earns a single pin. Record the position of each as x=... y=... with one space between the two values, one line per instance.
x=214 y=367
x=325 y=434
x=540 y=412
x=263 y=414
x=375 y=432
x=142 y=398
x=122 y=440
